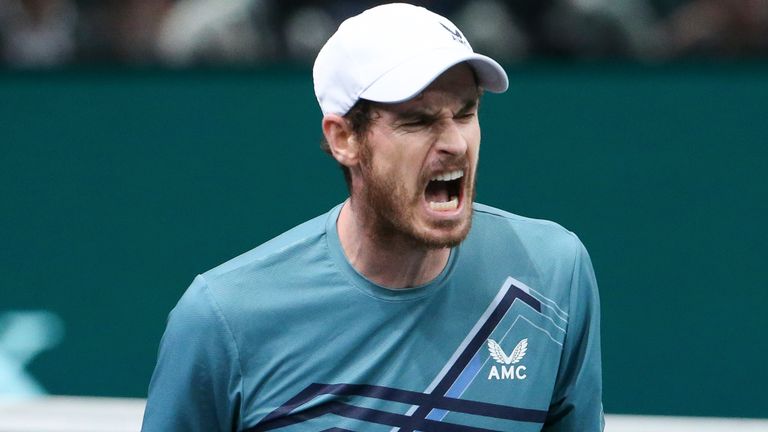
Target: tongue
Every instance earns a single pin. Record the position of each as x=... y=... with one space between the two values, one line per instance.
x=437 y=191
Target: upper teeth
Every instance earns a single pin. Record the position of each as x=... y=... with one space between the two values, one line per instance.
x=451 y=175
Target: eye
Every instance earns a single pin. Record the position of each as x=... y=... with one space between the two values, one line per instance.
x=417 y=123
x=466 y=116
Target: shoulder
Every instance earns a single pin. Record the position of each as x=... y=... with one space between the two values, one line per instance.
x=542 y=254
x=228 y=289
x=296 y=241
x=542 y=235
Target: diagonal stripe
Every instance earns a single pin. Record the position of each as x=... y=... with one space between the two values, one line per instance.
x=399 y=420
x=304 y=396
x=544 y=300
x=437 y=396
x=476 y=328
x=465 y=357
x=287 y=417
x=291 y=419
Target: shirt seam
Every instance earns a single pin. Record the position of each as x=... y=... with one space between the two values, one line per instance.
x=571 y=290
x=518 y=218
x=220 y=315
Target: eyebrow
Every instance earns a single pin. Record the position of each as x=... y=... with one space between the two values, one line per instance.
x=469 y=105
x=420 y=113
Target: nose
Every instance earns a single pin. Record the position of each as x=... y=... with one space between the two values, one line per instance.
x=450 y=139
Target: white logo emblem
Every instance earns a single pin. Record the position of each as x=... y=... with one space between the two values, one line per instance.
x=507 y=372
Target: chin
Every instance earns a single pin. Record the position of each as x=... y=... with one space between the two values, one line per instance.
x=445 y=235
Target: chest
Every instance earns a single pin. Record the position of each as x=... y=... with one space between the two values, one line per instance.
x=482 y=363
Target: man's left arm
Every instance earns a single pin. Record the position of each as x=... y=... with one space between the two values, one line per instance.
x=577 y=400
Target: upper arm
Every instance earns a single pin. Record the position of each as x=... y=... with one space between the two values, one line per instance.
x=196 y=383
x=577 y=399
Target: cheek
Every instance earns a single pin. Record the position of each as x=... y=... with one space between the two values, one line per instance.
x=399 y=156
x=472 y=137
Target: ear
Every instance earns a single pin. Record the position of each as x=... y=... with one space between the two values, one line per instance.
x=343 y=142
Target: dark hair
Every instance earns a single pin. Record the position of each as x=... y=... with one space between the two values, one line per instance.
x=359 y=117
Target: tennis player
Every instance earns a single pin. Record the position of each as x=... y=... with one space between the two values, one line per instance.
x=408 y=306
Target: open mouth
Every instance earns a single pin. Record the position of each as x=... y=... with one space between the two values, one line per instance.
x=443 y=192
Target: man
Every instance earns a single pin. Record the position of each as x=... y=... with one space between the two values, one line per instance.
x=407 y=307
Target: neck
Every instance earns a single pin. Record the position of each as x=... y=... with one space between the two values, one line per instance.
x=393 y=262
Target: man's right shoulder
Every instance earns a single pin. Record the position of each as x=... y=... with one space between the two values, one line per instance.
x=289 y=245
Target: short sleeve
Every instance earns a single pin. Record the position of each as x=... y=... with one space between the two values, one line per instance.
x=577 y=400
x=196 y=383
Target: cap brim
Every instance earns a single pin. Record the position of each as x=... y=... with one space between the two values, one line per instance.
x=409 y=78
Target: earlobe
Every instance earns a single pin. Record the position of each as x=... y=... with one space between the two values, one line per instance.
x=341 y=140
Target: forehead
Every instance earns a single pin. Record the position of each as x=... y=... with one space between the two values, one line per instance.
x=456 y=86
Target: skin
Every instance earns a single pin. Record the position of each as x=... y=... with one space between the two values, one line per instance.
x=387 y=229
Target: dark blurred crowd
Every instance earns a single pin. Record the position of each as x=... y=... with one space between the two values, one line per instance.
x=43 y=33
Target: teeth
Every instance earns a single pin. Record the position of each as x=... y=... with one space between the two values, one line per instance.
x=451 y=175
x=442 y=206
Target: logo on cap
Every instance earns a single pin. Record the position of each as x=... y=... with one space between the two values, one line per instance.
x=455 y=34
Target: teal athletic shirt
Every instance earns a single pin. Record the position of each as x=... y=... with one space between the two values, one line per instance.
x=290 y=337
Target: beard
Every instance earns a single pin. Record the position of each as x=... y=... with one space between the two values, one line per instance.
x=390 y=211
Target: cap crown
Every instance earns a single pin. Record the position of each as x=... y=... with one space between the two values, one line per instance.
x=371 y=45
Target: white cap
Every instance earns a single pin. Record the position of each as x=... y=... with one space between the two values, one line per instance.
x=390 y=53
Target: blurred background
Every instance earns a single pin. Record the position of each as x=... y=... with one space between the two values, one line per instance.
x=145 y=141
x=46 y=33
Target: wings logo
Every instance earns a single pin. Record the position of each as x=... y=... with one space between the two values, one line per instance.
x=508 y=370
